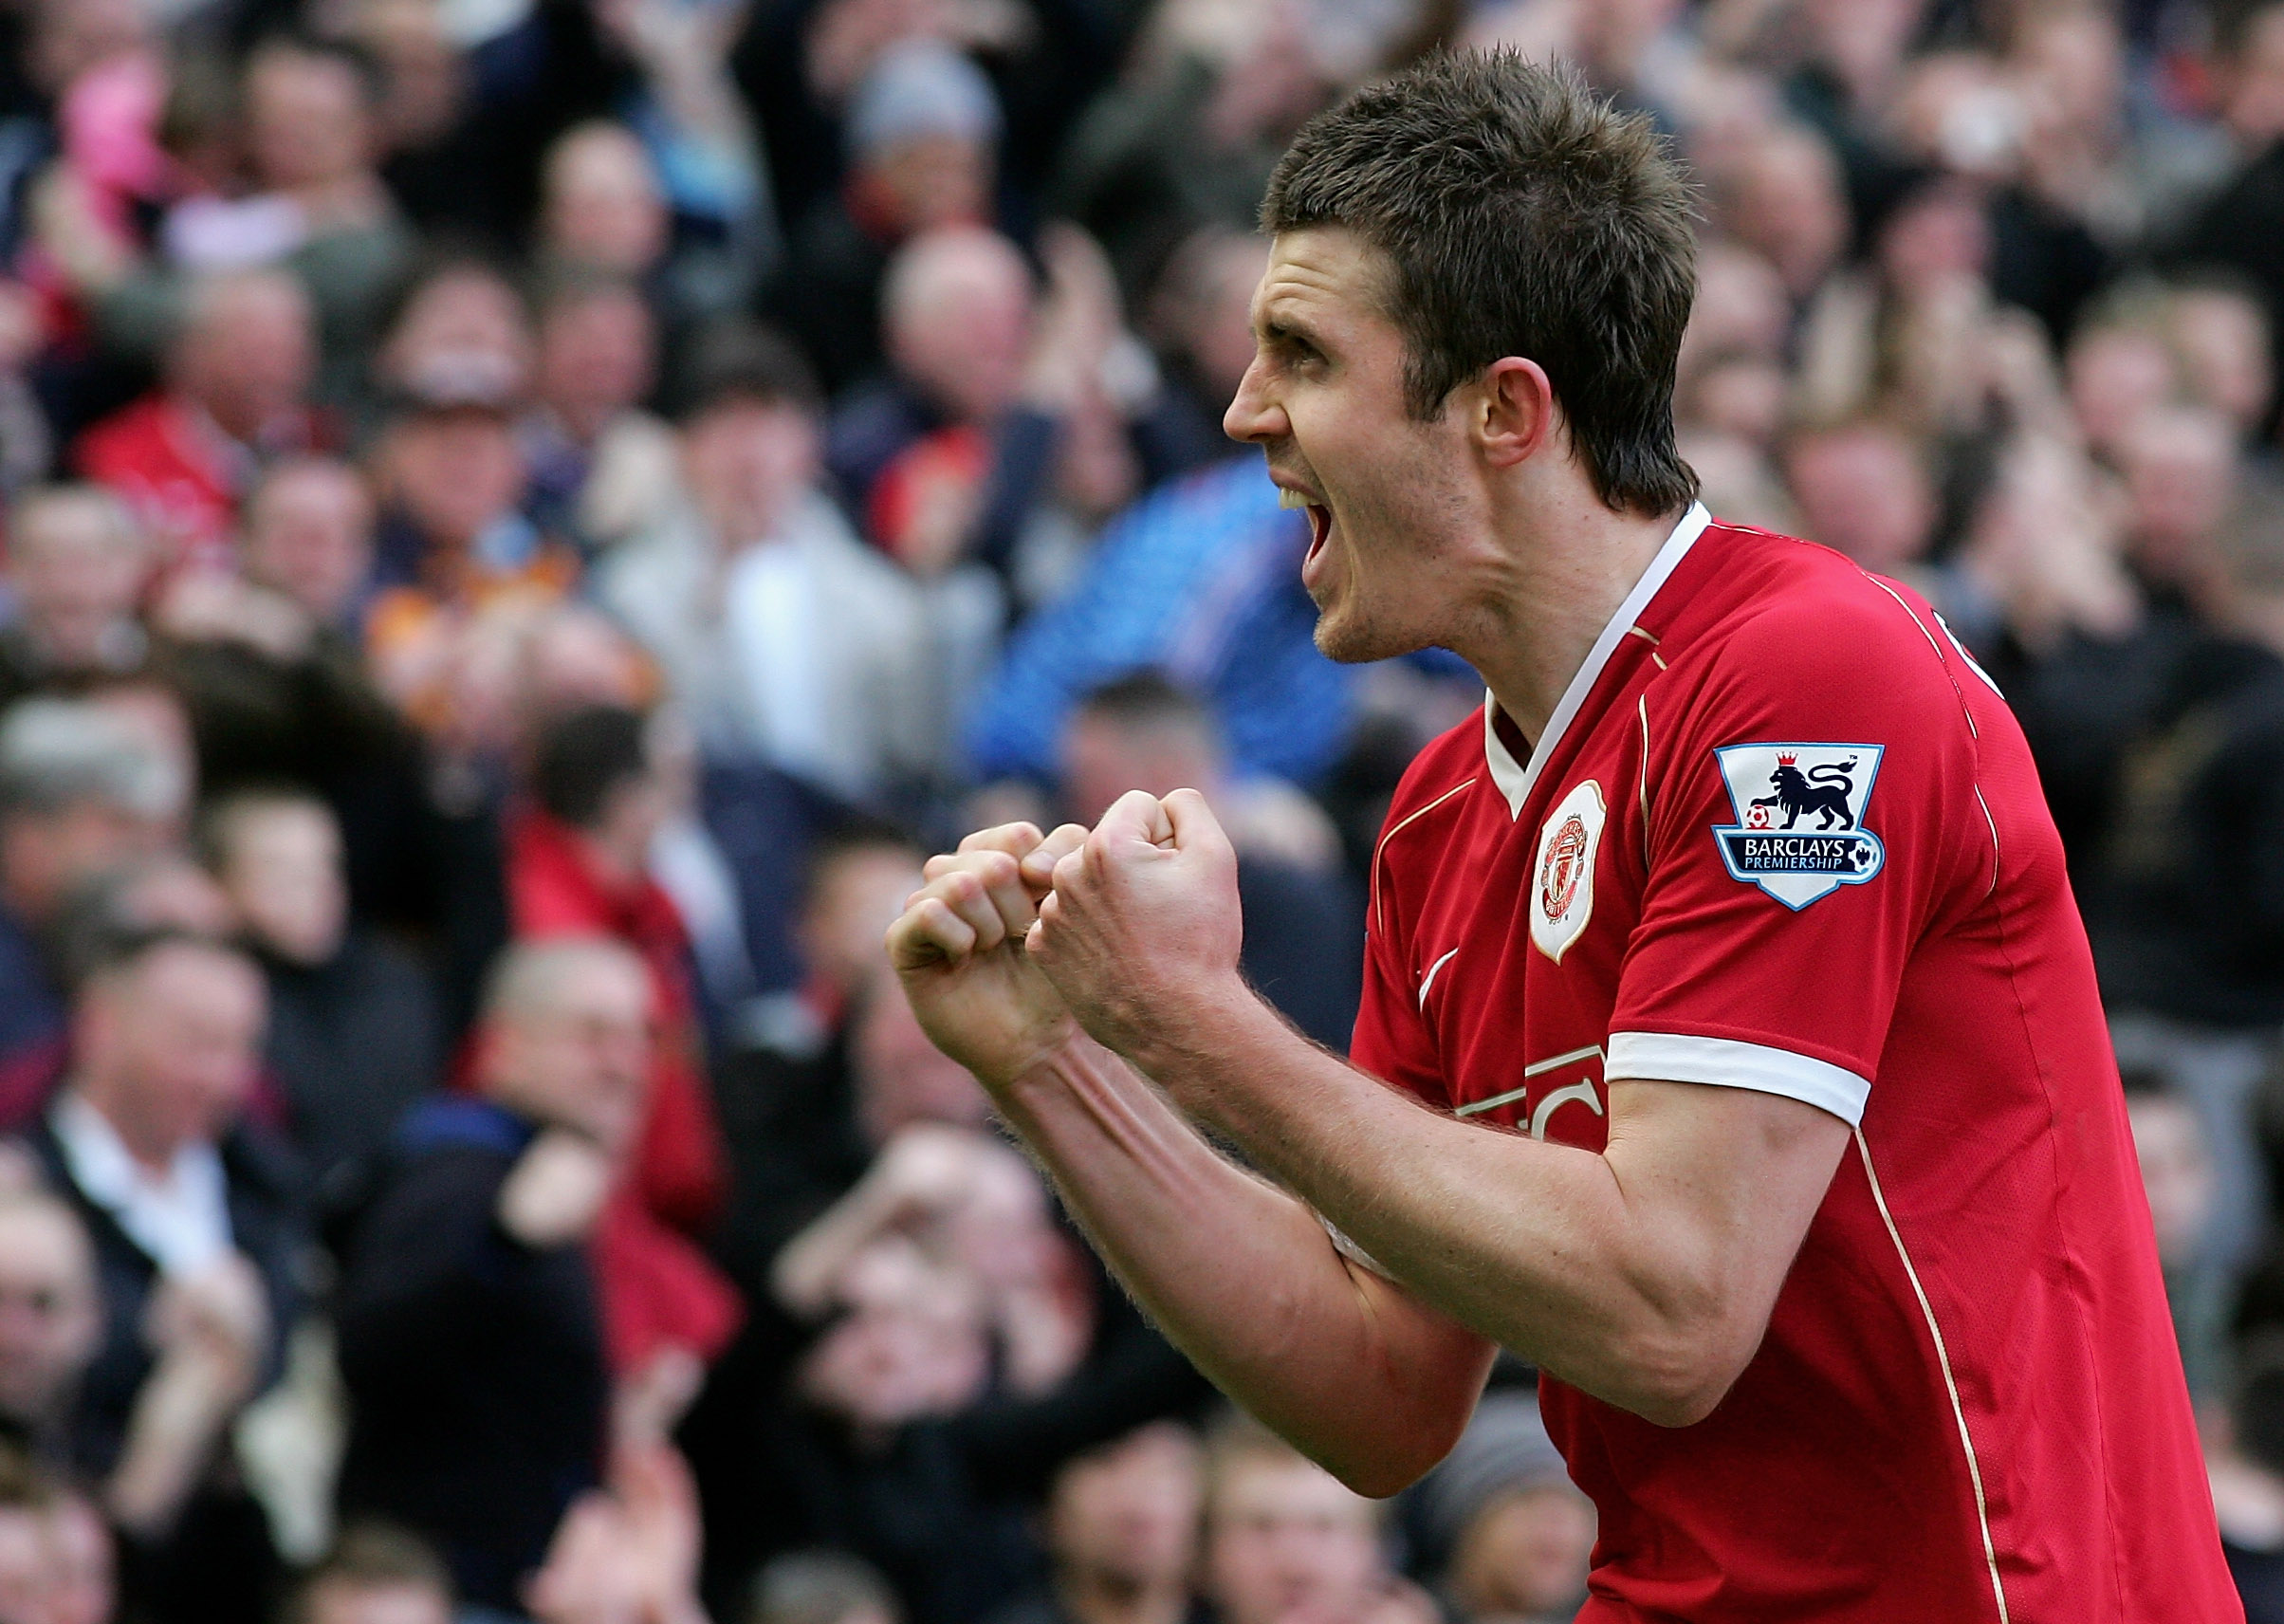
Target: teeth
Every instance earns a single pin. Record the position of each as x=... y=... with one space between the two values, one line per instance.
x=1287 y=497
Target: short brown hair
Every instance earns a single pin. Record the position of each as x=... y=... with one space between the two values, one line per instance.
x=1523 y=216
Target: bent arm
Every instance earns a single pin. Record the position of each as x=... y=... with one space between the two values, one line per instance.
x=1645 y=1275
x=1355 y=1372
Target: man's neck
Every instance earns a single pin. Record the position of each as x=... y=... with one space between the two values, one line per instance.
x=1097 y=1598
x=1531 y=638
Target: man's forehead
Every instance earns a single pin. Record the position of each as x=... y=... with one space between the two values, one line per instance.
x=1322 y=272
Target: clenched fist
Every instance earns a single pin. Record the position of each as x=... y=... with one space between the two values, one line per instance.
x=959 y=950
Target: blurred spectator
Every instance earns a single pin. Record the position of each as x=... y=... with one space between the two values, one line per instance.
x=1200 y=580
x=39 y=1579
x=457 y=329
x=454 y=547
x=627 y=1554
x=1862 y=490
x=2181 y=471
x=77 y=565
x=2220 y=331
x=310 y=118
x=784 y=638
x=1188 y=138
x=579 y=865
x=2247 y=1470
x=2177 y=1176
x=1286 y=1541
x=948 y=458
x=922 y=129
x=1501 y=1521
x=237 y=376
x=603 y=468
x=1143 y=732
x=1783 y=200
x=81 y=793
x=374 y=1575
x=2236 y=227
x=52 y=1320
x=1122 y=1533
x=471 y=1339
x=266 y=661
x=822 y=1587
x=354 y=1037
x=2119 y=366
x=200 y=1244
x=1201 y=318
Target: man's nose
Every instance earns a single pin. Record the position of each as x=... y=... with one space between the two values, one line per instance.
x=1253 y=416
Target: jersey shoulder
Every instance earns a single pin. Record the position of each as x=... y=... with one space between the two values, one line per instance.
x=1783 y=617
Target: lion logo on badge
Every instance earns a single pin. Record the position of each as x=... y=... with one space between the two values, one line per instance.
x=1823 y=790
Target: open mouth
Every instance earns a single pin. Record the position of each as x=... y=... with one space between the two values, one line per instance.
x=1320 y=517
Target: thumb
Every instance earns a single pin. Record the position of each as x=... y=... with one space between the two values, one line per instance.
x=1137 y=815
x=1192 y=824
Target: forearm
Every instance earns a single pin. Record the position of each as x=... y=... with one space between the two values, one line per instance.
x=1540 y=1247
x=178 y=1416
x=1242 y=1277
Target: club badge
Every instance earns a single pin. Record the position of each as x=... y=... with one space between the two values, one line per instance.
x=1563 y=893
x=1800 y=833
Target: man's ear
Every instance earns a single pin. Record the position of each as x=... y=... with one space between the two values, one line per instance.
x=1513 y=411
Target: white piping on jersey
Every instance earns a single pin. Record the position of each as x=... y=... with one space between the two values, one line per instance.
x=1941 y=659
x=1942 y=1357
x=1428 y=980
x=1995 y=858
x=1409 y=818
x=1515 y=780
x=1641 y=703
x=1533 y=1069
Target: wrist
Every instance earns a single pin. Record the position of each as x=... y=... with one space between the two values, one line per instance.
x=1188 y=1023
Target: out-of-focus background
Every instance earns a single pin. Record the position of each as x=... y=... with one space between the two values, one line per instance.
x=525 y=519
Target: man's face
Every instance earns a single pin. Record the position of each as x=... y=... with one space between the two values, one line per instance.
x=748 y=461
x=77 y=573
x=1391 y=517
x=305 y=119
x=175 y=1037
x=457 y=471
x=580 y=1057
x=1129 y=1511
x=252 y=355
x=1526 y=1553
x=50 y=1315
x=962 y=330
x=344 y=1600
x=1287 y=1544
x=310 y=537
x=1103 y=757
x=284 y=870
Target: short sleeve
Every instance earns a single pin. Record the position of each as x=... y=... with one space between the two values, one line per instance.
x=1808 y=799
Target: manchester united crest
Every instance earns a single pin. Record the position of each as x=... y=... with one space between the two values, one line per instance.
x=1565 y=888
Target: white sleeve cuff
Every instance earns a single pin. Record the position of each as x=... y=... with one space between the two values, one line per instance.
x=1723 y=1063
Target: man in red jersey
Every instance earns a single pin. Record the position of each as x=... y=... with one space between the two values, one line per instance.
x=1749 y=1073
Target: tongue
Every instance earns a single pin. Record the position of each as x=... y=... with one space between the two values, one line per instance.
x=1320 y=526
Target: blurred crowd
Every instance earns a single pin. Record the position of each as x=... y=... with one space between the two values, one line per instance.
x=524 y=520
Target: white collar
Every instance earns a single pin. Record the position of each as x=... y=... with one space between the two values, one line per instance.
x=1513 y=778
x=180 y=1219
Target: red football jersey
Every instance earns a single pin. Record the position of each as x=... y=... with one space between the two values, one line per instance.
x=1783 y=834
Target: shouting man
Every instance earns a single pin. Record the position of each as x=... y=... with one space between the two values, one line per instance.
x=1788 y=1146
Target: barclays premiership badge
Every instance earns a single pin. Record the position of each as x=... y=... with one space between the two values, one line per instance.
x=1800 y=833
